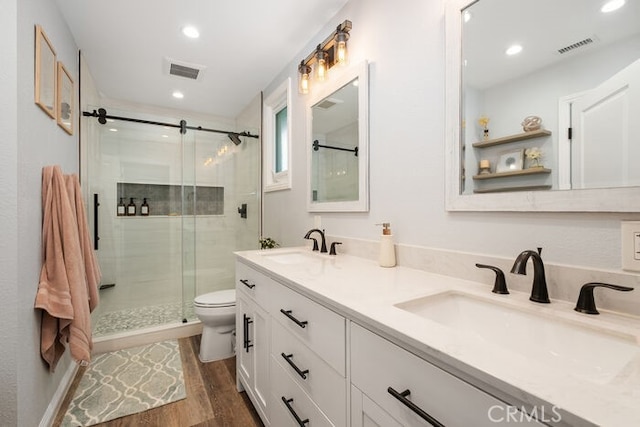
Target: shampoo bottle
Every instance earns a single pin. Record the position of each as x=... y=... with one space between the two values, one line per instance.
x=121 y=208
x=387 y=250
x=131 y=208
x=144 y=208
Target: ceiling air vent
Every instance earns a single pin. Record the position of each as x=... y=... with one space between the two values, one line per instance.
x=576 y=45
x=184 y=69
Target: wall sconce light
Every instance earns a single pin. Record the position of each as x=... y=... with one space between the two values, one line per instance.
x=332 y=51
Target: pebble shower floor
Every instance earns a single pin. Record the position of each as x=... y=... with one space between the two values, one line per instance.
x=143 y=317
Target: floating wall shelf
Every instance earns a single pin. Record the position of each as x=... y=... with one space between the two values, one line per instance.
x=529 y=171
x=512 y=138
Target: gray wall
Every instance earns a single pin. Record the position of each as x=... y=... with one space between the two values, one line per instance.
x=30 y=140
x=8 y=215
x=405 y=45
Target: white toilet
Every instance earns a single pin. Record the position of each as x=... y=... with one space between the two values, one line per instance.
x=217 y=312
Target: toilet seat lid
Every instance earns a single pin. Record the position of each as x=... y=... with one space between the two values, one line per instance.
x=224 y=298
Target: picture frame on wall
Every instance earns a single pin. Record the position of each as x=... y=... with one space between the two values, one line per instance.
x=65 y=107
x=510 y=161
x=45 y=73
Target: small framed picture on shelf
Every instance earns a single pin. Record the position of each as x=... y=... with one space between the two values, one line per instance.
x=510 y=161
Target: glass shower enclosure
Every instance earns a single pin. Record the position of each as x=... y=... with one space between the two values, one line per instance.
x=167 y=217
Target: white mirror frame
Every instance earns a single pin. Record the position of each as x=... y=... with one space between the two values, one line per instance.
x=622 y=199
x=339 y=77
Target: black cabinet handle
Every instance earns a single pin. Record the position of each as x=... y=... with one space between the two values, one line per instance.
x=300 y=421
x=402 y=397
x=247 y=284
x=302 y=324
x=303 y=374
x=247 y=342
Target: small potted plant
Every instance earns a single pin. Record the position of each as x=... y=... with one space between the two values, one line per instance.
x=268 y=243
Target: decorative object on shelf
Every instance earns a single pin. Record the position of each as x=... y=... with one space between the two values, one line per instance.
x=531 y=123
x=483 y=121
x=534 y=155
x=45 y=73
x=510 y=161
x=485 y=167
x=268 y=243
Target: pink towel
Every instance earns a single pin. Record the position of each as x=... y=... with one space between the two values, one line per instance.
x=67 y=292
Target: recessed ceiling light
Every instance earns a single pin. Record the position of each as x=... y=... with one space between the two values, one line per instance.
x=516 y=48
x=178 y=94
x=113 y=130
x=612 y=5
x=165 y=136
x=191 y=32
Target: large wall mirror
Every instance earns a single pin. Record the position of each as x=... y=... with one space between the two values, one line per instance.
x=338 y=142
x=553 y=124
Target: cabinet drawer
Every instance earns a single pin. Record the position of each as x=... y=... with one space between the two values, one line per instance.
x=284 y=388
x=322 y=330
x=253 y=284
x=377 y=365
x=326 y=387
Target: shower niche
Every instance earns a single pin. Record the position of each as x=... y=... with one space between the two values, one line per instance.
x=173 y=200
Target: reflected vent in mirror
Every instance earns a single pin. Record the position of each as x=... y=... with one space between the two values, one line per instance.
x=577 y=45
x=328 y=103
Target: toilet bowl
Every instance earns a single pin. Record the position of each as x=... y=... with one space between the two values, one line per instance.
x=217 y=312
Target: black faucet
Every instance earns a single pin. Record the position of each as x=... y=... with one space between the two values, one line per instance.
x=586 y=303
x=323 y=248
x=539 y=290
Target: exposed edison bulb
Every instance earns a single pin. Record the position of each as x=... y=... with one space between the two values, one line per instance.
x=303 y=78
x=341 y=47
x=321 y=65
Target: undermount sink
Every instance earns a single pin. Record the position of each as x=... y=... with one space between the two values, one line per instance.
x=589 y=353
x=290 y=257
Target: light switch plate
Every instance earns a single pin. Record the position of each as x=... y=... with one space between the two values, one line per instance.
x=630 y=240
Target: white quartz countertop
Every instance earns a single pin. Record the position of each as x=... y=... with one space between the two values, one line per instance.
x=367 y=294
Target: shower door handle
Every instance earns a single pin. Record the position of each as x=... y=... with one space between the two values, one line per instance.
x=95 y=221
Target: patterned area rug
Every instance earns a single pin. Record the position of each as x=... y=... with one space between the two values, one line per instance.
x=126 y=382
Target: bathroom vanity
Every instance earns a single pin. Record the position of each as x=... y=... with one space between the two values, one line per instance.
x=339 y=341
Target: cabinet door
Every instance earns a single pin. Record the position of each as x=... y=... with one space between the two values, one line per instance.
x=260 y=334
x=365 y=412
x=244 y=353
x=252 y=353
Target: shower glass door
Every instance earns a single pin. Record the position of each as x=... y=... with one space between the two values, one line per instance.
x=154 y=265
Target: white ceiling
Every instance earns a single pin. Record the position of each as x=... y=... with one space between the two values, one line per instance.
x=243 y=43
x=541 y=27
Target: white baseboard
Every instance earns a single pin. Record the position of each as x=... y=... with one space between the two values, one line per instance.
x=56 y=401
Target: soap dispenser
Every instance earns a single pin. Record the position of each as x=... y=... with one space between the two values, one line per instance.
x=131 y=207
x=144 y=208
x=122 y=209
x=387 y=250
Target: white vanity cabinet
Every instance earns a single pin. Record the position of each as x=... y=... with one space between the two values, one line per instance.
x=253 y=325
x=290 y=353
x=308 y=345
x=391 y=386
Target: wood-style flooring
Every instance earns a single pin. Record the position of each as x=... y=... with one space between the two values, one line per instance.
x=212 y=399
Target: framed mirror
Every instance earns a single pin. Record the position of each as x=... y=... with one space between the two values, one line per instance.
x=338 y=142
x=564 y=109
